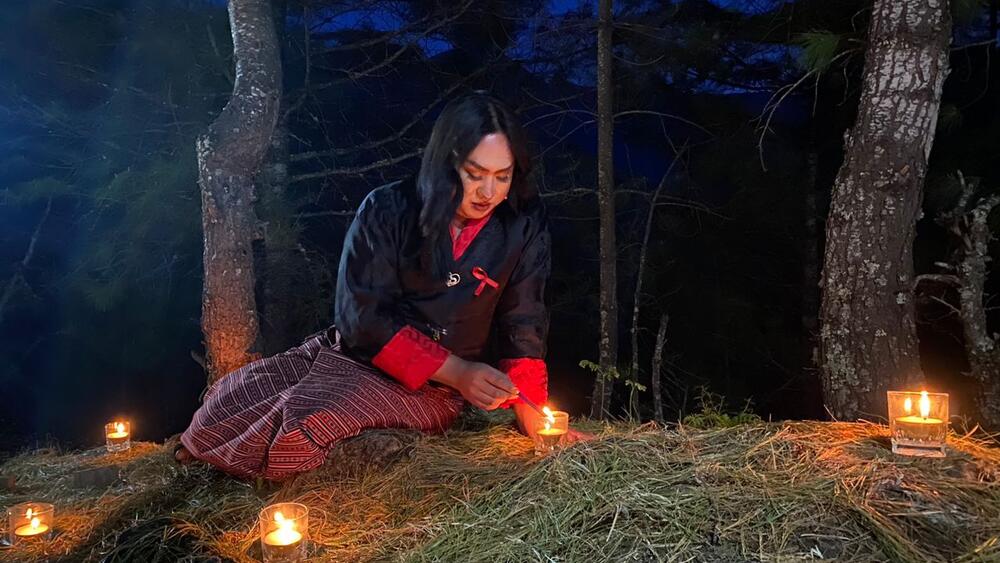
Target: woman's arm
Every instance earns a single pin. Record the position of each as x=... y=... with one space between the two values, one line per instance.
x=367 y=312
x=480 y=384
x=521 y=318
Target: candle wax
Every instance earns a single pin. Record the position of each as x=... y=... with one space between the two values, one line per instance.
x=29 y=530
x=282 y=536
x=118 y=435
x=551 y=431
x=913 y=419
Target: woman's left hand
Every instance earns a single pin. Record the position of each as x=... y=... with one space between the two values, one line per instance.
x=578 y=436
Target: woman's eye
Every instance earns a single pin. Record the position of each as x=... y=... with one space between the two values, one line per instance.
x=503 y=179
x=472 y=176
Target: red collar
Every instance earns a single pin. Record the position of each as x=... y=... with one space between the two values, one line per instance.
x=468 y=234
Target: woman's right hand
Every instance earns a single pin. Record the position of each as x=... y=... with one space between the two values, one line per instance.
x=481 y=384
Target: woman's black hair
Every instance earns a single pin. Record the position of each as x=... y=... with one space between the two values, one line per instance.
x=458 y=130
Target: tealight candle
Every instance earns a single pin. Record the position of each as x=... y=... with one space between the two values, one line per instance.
x=30 y=521
x=550 y=430
x=118 y=436
x=283 y=530
x=918 y=423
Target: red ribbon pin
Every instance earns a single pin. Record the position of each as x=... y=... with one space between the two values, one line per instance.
x=484 y=280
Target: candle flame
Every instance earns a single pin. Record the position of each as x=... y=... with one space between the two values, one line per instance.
x=35 y=523
x=925 y=404
x=282 y=522
x=550 y=418
x=908 y=405
x=548 y=414
x=119 y=427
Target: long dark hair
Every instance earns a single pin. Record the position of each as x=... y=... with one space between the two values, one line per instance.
x=457 y=132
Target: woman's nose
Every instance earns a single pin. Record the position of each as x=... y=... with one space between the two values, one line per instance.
x=488 y=188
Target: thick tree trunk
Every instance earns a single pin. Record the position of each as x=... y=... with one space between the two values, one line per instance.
x=868 y=333
x=608 y=344
x=229 y=156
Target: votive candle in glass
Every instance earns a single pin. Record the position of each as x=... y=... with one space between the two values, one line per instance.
x=283 y=532
x=550 y=430
x=118 y=436
x=30 y=521
x=918 y=422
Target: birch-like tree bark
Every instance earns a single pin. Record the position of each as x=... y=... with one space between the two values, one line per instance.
x=968 y=221
x=868 y=332
x=982 y=348
x=229 y=157
x=608 y=343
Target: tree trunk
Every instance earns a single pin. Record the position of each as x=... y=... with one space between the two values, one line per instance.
x=277 y=256
x=982 y=349
x=654 y=377
x=608 y=345
x=641 y=272
x=229 y=155
x=868 y=334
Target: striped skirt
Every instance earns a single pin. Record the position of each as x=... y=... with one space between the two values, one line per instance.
x=279 y=416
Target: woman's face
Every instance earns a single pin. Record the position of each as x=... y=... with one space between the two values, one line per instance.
x=486 y=175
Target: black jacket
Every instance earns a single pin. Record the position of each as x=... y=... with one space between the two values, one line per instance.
x=383 y=285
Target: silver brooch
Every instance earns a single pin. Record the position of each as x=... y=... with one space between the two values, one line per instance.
x=453 y=279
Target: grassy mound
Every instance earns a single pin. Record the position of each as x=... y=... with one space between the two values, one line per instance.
x=761 y=492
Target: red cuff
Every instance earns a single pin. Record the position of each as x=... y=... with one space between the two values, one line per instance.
x=410 y=357
x=530 y=376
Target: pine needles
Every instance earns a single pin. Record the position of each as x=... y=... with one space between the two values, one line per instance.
x=758 y=492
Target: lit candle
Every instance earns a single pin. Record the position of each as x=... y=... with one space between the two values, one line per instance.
x=921 y=433
x=285 y=534
x=283 y=530
x=925 y=411
x=117 y=436
x=119 y=431
x=33 y=527
x=550 y=431
x=30 y=521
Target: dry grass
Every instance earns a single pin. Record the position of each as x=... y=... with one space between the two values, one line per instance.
x=761 y=492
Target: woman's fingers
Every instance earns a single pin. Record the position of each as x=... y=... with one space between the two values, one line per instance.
x=492 y=391
x=499 y=379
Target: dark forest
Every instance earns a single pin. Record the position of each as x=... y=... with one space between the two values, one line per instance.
x=789 y=233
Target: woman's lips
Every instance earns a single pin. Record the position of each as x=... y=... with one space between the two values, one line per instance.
x=481 y=206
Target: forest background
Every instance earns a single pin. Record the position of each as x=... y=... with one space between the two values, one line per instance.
x=729 y=122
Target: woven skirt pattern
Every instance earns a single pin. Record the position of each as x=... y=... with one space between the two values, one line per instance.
x=279 y=416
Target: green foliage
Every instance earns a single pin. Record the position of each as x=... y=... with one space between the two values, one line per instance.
x=614 y=374
x=819 y=49
x=713 y=415
x=38 y=189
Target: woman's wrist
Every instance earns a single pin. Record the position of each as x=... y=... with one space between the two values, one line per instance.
x=450 y=372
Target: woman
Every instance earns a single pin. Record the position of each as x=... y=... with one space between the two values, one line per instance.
x=437 y=275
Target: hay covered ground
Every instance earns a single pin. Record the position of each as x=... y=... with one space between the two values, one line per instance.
x=793 y=491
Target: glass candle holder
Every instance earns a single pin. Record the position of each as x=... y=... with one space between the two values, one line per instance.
x=550 y=431
x=918 y=422
x=118 y=436
x=30 y=521
x=283 y=531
